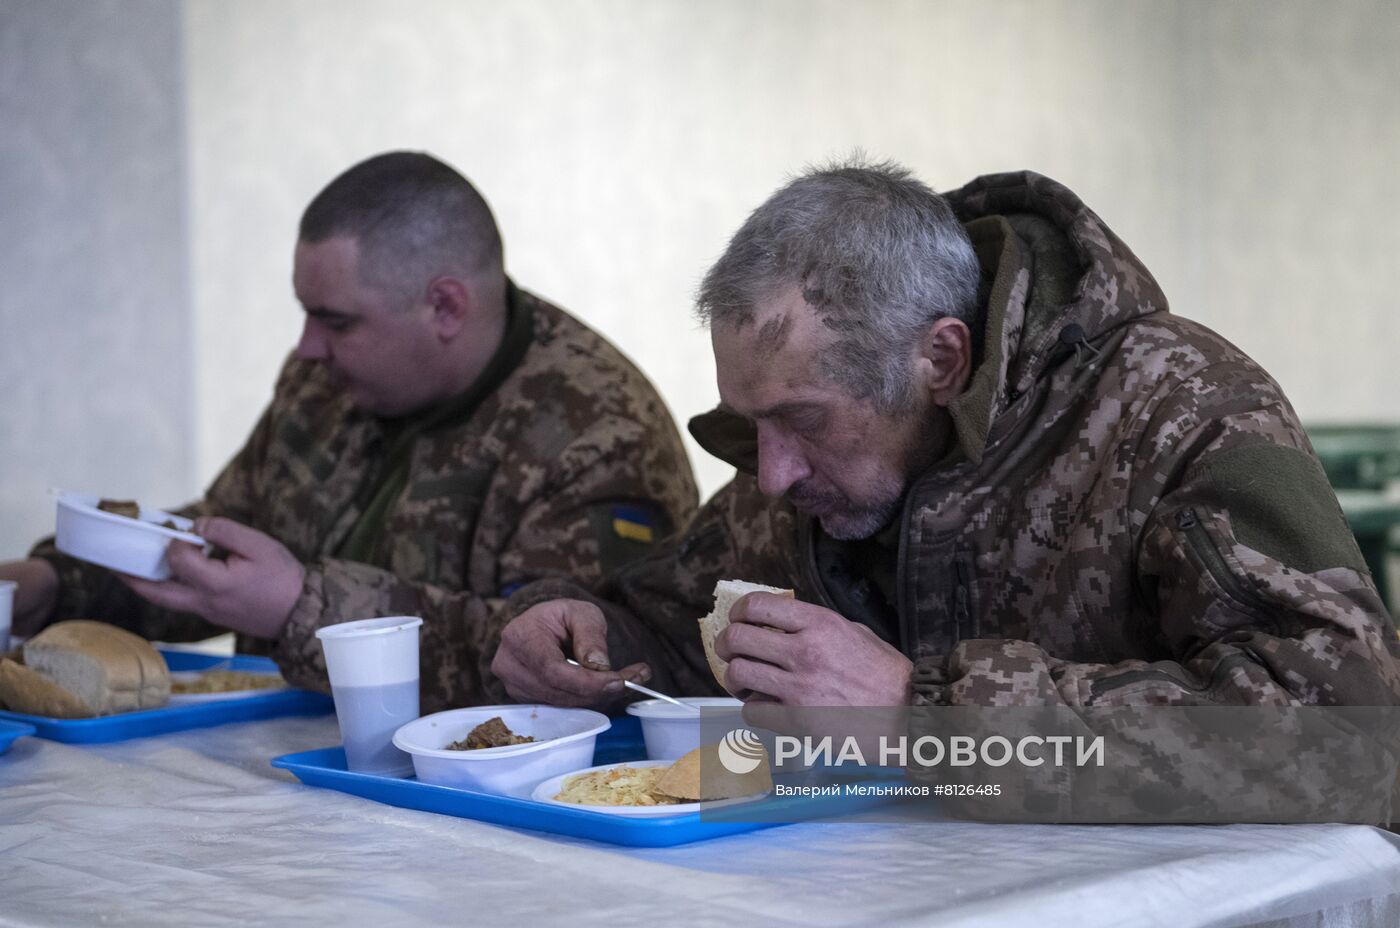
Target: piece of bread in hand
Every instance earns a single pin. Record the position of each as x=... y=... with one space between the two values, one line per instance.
x=727 y=593
x=104 y=669
x=683 y=780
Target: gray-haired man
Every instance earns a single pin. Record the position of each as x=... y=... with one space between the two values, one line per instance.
x=995 y=470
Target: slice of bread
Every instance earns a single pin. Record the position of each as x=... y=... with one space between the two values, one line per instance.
x=23 y=690
x=684 y=780
x=106 y=669
x=727 y=593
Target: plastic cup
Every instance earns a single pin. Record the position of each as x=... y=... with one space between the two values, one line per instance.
x=7 y=609
x=373 y=667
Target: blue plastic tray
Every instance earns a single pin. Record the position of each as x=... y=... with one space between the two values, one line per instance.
x=272 y=704
x=623 y=742
x=9 y=731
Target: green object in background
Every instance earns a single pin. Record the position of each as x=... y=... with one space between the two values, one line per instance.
x=1358 y=456
x=1362 y=460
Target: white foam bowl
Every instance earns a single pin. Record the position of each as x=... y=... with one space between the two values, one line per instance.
x=564 y=741
x=130 y=546
x=670 y=731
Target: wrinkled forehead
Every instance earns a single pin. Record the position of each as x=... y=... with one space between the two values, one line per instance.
x=773 y=354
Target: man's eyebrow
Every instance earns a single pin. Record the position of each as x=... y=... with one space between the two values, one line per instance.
x=328 y=314
x=789 y=408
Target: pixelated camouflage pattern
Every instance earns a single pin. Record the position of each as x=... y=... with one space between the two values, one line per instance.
x=1080 y=550
x=501 y=500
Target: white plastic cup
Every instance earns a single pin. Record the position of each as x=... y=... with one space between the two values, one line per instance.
x=373 y=667
x=7 y=610
x=671 y=732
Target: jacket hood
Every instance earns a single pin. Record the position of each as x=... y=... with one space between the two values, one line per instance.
x=1056 y=280
x=1059 y=280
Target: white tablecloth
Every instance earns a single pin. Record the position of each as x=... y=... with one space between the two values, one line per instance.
x=196 y=829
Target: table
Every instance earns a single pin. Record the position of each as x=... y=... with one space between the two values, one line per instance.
x=195 y=828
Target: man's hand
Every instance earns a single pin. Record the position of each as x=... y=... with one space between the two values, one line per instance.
x=253 y=591
x=814 y=658
x=35 y=597
x=530 y=659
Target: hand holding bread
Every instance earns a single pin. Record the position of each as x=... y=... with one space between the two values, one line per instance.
x=727 y=595
x=799 y=654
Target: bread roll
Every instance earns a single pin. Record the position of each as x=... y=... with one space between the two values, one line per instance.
x=727 y=593
x=104 y=668
x=683 y=779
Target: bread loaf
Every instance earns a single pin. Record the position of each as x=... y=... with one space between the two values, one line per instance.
x=727 y=593
x=103 y=668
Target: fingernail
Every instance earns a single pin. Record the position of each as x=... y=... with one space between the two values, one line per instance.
x=642 y=676
x=613 y=686
x=598 y=659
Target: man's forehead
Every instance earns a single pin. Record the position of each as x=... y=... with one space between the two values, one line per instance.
x=770 y=359
x=340 y=250
x=319 y=265
x=326 y=278
x=776 y=323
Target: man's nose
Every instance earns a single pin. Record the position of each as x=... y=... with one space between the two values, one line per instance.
x=781 y=462
x=312 y=346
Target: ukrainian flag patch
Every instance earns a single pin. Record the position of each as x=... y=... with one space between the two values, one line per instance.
x=632 y=523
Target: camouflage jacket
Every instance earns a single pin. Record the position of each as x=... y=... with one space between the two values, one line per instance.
x=1133 y=515
x=570 y=466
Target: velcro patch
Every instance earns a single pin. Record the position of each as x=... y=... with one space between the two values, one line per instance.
x=626 y=531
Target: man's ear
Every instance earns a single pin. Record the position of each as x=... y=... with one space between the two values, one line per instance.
x=943 y=360
x=452 y=306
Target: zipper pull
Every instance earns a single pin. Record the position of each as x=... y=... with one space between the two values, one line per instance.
x=1186 y=519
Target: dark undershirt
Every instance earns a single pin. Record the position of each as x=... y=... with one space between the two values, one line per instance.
x=861 y=578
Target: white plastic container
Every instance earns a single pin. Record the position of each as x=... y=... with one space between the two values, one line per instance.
x=564 y=741
x=670 y=731
x=130 y=546
x=373 y=669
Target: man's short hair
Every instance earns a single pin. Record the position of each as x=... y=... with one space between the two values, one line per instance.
x=414 y=219
x=878 y=255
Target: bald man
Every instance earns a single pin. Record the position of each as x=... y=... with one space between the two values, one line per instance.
x=438 y=439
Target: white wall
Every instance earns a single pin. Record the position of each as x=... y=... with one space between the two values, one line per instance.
x=95 y=323
x=1243 y=149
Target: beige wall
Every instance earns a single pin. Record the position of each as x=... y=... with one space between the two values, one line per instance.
x=1243 y=149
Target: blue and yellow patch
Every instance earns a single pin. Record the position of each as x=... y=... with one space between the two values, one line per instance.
x=632 y=523
x=626 y=531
